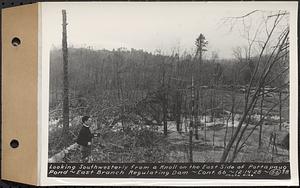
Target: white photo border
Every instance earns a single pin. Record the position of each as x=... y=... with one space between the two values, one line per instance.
x=43 y=107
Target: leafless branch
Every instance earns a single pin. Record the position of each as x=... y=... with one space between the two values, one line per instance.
x=261 y=121
x=248 y=14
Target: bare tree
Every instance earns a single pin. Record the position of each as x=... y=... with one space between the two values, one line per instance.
x=164 y=99
x=258 y=80
x=65 y=80
x=192 y=121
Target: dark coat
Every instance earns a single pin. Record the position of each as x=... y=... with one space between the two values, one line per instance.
x=84 y=136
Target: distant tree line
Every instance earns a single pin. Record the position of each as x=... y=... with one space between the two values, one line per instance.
x=94 y=71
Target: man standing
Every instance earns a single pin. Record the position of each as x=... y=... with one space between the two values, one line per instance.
x=85 y=138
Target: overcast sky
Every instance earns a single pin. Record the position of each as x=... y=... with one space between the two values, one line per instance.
x=148 y=26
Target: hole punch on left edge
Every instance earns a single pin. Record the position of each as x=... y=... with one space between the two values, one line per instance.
x=15 y=41
x=14 y=143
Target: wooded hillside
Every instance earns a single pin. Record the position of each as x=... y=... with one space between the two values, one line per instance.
x=176 y=108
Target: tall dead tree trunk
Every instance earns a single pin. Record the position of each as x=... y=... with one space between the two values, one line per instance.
x=164 y=102
x=66 y=79
x=192 y=122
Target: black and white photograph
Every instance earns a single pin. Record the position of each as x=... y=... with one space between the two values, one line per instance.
x=166 y=83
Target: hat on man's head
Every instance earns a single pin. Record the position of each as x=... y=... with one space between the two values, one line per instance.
x=84 y=119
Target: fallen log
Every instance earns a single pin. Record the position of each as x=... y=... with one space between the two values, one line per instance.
x=60 y=155
x=115 y=145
